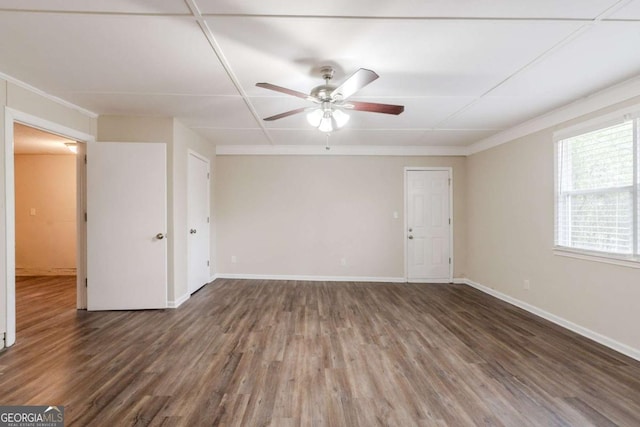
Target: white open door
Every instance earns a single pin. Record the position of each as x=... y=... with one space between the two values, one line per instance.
x=429 y=226
x=198 y=218
x=126 y=226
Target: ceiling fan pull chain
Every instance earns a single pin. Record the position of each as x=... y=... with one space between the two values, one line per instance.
x=326 y=147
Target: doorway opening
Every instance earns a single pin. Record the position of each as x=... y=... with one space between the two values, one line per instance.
x=45 y=188
x=8 y=214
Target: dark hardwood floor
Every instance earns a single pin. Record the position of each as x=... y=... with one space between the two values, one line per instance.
x=254 y=353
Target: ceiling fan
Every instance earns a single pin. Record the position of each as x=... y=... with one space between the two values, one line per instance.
x=328 y=115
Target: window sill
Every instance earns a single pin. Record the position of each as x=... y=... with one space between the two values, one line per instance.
x=594 y=256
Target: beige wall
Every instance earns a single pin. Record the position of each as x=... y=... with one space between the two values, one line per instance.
x=23 y=100
x=300 y=215
x=45 y=241
x=510 y=239
x=135 y=129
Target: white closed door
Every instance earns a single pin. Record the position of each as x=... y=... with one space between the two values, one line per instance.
x=428 y=225
x=198 y=222
x=126 y=226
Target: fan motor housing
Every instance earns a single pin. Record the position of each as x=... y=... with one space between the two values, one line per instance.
x=323 y=92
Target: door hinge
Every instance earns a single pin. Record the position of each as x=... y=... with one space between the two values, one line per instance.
x=207 y=175
x=85 y=159
x=207 y=220
x=449 y=260
x=449 y=182
x=85 y=217
x=86 y=282
x=449 y=221
x=207 y=263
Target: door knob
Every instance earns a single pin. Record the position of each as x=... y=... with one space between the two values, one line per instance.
x=410 y=230
x=410 y=237
x=159 y=236
x=192 y=231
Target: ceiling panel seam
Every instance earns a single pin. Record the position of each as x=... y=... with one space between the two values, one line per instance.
x=544 y=55
x=528 y=65
x=97 y=12
x=346 y=17
x=225 y=65
x=413 y=18
x=616 y=6
x=102 y=92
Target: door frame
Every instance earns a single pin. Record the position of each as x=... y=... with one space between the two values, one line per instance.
x=405 y=247
x=199 y=156
x=12 y=116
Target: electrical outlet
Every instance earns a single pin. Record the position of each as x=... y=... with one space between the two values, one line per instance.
x=527 y=284
x=234 y=259
x=343 y=261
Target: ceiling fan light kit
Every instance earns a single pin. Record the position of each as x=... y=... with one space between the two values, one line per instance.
x=326 y=118
x=328 y=115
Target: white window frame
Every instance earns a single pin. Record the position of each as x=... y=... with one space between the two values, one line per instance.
x=611 y=119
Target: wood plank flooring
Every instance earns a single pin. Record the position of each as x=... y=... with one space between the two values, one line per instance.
x=276 y=353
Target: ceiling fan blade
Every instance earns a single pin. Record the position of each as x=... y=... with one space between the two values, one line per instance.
x=354 y=83
x=286 y=114
x=374 y=107
x=287 y=91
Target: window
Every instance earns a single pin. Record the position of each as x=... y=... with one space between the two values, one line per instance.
x=597 y=192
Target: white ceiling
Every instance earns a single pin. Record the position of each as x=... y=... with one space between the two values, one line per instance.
x=465 y=69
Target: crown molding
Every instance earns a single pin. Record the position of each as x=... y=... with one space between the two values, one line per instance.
x=343 y=150
x=48 y=96
x=605 y=98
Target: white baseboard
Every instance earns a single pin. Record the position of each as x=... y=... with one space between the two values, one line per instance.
x=435 y=281
x=601 y=339
x=310 y=278
x=29 y=271
x=177 y=303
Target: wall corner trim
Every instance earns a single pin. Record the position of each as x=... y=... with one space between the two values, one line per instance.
x=634 y=353
x=178 y=302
